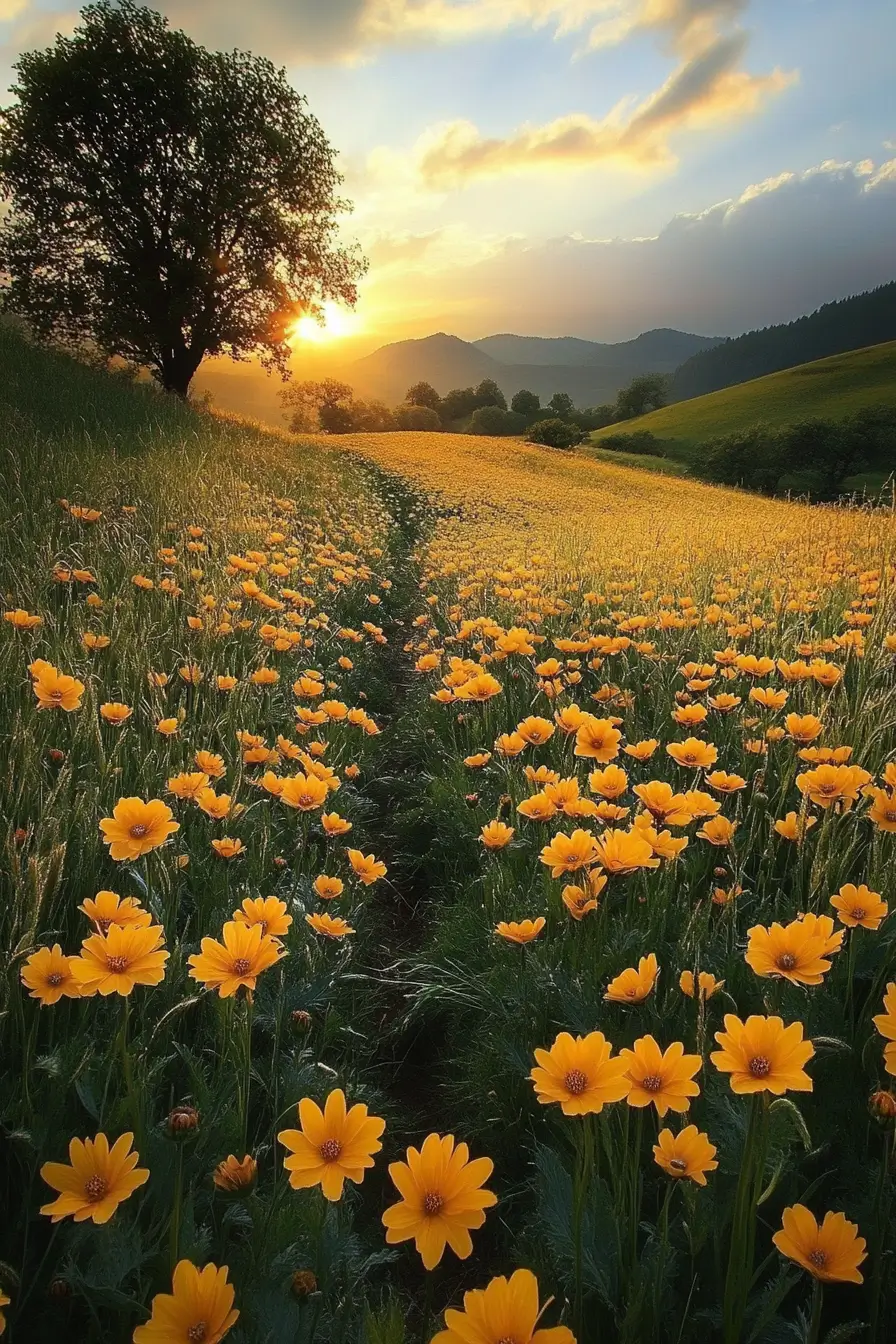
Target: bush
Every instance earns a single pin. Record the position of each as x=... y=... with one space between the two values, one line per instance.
x=525 y=402
x=416 y=417
x=594 y=417
x=641 y=442
x=372 y=417
x=492 y=420
x=556 y=434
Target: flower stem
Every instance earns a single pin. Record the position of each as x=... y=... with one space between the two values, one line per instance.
x=815 y=1319
x=174 y=1225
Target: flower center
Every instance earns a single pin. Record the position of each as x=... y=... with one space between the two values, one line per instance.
x=138 y=831
x=818 y=1258
x=652 y=1083
x=858 y=912
x=241 y=966
x=330 y=1149
x=432 y=1204
x=56 y=695
x=117 y=965
x=678 y=1164
x=96 y=1188
x=760 y=1067
x=786 y=961
x=54 y=978
x=197 y=1333
x=576 y=1082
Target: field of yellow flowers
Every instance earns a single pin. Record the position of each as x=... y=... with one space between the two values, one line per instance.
x=446 y=891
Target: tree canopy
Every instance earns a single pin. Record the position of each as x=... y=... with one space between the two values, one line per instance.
x=166 y=202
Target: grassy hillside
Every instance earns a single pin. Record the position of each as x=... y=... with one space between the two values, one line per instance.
x=827 y=388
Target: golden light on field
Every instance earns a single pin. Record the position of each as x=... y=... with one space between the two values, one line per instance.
x=337 y=324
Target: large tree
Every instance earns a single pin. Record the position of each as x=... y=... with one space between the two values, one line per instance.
x=165 y=202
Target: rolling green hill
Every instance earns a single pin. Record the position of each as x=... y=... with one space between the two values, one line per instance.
x=827 y=388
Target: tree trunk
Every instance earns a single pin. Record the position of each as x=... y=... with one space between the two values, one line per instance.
x=178 y=368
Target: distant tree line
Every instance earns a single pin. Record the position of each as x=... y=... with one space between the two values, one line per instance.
x=815 y=458
x=849 y=324
x=332 y=406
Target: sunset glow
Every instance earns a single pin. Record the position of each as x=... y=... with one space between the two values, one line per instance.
x=337 y=324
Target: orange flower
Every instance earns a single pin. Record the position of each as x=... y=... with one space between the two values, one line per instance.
x=98 y=1180
x=580 y=1074
x=621 y=852
x=115 y=713
x=692 y=754
x=535 y=731
x=831 y=1252
x=793 y=827
x=442 y=1198
x=215 y=805
x=108 y=908
x=136 y=827
x=303 y=792
x=331 y=926
x=718 y=831
x=762 y=1055
x=568 y=853
x=366 y=867
x=211 y=764
x=661 y=1078
x=797 y=951
x=597 y=739
x=495 y=835
x=328 y=888
x=54 y=690
x=237 y=961
x=685 y=1155
x=47 y=973
x=706 y=984
x=332 y=1146
x=633 y=986
x=227 y=847
x=188 y=785
x=859 y=905
x=523 y=932
x=266 y=911
x=114 y=962
x=506 y=1310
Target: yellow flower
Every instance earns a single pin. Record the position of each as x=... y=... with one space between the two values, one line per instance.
x=621 y=852
x=569 y=853
x=536 y=731
x=660 y=1078
x=333 y=1145
x=136 y=827
x=115 y=713
x=633 y=986
x=107 y=908
x=762 y=1055
x=98 y=1180
x=47 y=973
x=495 y=834
x=237 y=961
x=705 y=987
x=831 y=1252
x=442 y=1198
x=797 y=951
x=886 y=1025
x=303 y=792
x=331 y=926
x=718 y=831
x=199 y=1308
x=859 y=905
x=506 y=1312
x=597 y=739
x=580 y=1074
x=685 y=1155
x=235 y=1177
x=328 y=888
x=215 y=805
x=227 y=847
x=793 y=827
x=188 y=785
x=167 y=727
x=210 y=764
x=114 y=962
x=366 y=867
x=266 y=911
x=692 y=754
x=21 y=619
x=54 y=690
x=524 y=932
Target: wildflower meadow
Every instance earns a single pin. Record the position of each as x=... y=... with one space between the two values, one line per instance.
x=446 y=891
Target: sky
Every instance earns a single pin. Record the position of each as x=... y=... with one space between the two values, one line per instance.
x=582 y=167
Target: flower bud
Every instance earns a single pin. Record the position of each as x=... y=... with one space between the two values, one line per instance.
x=183 y=1121
x=303 y=1284
x=471 y=799
x=234 y=1177
x=55 y=756
x=59 y=1289
x=301 y=1019
x=882 y=1106
x=20 y=835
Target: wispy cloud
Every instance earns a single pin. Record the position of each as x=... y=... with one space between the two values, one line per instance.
x=705 y=89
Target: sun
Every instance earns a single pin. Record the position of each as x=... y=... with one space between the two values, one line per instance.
x=337 y=324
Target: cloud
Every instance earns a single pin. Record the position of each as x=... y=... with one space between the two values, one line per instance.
x=781 y=248
x=704 y=90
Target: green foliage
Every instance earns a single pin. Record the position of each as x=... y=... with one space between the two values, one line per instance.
x=849 y=324
x=525 y=402
x=646 y=393
x=642 y=442
x=561 y=404
x=423 y=394
x=488 y=393
x=555 y=433
x=494 y=420
x=205 y=198
x=417 y=417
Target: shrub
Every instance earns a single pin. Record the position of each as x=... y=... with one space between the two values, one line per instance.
x=492 y=420
x=525 y=402
x=556 y=434
x=417 y=417
x=641 y=442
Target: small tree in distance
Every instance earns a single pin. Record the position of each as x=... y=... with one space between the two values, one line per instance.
x=166 y=202
x=561 y=404
x=556 y=434
x=488 y=393
x=423 y=394
x=525 y=402
x=412 y=416
x=646 y=393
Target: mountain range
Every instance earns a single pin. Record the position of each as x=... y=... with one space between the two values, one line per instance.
x=591 y=372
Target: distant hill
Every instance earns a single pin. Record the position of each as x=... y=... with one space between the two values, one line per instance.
x=848 y=324
x=590 y=372
x=826 y=389
x=658 y=351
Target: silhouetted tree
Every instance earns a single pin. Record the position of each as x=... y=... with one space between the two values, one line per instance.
x=525 y=402
x=458 y=403
x=417 y=417
x=423 y=394
x=317 y=405
x=645 y=393
x=488 y=393
x=166 y=202
x=561 y=404
x=494 y=420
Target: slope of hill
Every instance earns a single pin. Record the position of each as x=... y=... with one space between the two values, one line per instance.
x=849 y=324
x=658 y=351
x=824 y=389
x=591 y=373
